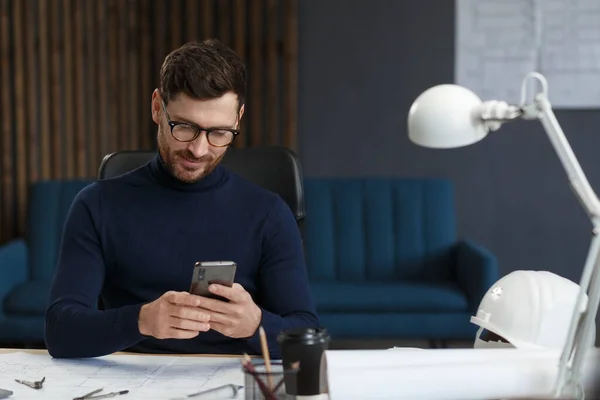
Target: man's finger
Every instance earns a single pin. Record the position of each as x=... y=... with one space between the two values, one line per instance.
x=219 y=318
x=175 y=333
x=221 y=328
x=234 y=293
x=216 y=305
x=188 y=325
x=192 y=313
x=183 y=299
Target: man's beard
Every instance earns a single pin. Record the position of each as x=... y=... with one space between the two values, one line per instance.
x=178 y=171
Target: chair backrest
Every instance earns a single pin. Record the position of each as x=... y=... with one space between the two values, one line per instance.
x=379 y=229
x=274 y=168
x=49 y=203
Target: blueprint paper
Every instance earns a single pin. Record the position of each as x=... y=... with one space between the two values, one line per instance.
x=146 y=377
x=499 y=42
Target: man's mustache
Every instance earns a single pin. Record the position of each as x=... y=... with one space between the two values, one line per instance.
x=189 y=156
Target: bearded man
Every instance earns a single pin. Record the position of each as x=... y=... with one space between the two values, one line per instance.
x=133 y=240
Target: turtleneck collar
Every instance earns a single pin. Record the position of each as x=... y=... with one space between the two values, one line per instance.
x=165 y=178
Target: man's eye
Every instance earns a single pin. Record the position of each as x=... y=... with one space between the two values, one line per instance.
x=184 y=131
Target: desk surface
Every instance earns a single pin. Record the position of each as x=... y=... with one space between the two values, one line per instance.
x=44 y=351
x=145 y=377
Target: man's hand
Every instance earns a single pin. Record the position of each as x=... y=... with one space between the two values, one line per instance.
x=174 y=315
x=238 y=318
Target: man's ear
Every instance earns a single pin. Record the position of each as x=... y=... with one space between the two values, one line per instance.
x=155 y=106
x=241 y=114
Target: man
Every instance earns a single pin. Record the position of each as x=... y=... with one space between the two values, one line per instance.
x=134 y=240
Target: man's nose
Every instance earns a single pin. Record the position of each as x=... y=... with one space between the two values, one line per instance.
x=200 y=145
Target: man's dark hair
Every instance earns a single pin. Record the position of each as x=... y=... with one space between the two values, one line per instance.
x=203 y=70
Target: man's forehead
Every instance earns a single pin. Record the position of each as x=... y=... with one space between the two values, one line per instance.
x=227 y=102
x=214 y=112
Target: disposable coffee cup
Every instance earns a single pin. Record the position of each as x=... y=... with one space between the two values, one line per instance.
x=304 y=345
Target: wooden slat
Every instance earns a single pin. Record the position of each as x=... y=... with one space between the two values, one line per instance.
x=81 y=136
x=239 y=24
x=272 y=74
x=33 y=148
x=177 y=20
x=256 y=73
x=239 y=46
x=57 y=98
x=69 y=107
x=160 y=38
x=102 y=80
x=192 y=13
x=290 y=73
x=122 y=113
x=19 y=30
x=113 y=76
x=91 y=89
x=224 y=13
x=207 y=19
x=7 y=217
x=45 y=86
x=132 y=81
x=147 y=80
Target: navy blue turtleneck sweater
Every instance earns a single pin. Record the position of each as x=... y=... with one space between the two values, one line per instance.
x=132 y=238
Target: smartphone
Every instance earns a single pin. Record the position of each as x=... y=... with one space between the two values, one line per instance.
x=208 y=272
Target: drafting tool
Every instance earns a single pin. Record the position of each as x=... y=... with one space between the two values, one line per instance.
x=90 y=395
x=34 y=385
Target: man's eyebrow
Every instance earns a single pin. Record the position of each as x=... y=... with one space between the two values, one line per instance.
x=177 y=118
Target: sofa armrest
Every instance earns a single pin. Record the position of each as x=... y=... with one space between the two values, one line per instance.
x=13 y=267
x=476 y=271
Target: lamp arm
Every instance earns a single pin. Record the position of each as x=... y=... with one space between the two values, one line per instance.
x=577 y=178
x=579 y=336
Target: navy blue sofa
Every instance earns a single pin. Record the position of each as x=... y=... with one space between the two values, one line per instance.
x=384 y=259
x=382 y=255
x=27 y=265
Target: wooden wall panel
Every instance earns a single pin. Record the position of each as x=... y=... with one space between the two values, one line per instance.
x=81 y=100
x=20 y=121
x=7 y=195
x=44 y=98
x=290 y=73
x=56 y=101
x=255 y=65
x=76 y=79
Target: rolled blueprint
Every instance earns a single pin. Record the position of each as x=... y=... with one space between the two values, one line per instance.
x=448 y=374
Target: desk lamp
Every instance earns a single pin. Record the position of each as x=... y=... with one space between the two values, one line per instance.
x=448 y=116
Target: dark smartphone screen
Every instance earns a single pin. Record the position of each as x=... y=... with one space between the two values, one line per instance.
x=209 y=272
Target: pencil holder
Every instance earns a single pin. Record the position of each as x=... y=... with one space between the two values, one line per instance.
x=260 y=384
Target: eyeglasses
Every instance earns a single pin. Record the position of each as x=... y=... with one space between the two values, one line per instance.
x=186 y=132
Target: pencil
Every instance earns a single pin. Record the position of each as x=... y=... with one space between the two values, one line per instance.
x=249 y=368
x=266 y=356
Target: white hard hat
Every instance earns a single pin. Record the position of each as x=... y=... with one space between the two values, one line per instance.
x=528 y=309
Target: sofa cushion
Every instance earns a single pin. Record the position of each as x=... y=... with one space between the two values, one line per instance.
x=30 y=298
x=388 y=297
x=22 y=330
x=49 y=204
x=406 y=326
x=379 y=228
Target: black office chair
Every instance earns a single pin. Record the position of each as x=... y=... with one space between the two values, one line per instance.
x=274 y=168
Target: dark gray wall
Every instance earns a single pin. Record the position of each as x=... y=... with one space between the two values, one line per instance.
x=363 y=62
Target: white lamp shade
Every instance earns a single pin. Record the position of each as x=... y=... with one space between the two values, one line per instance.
x=446 y=116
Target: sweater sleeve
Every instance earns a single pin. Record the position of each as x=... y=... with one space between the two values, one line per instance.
x=284 y=294
x=74 y=327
